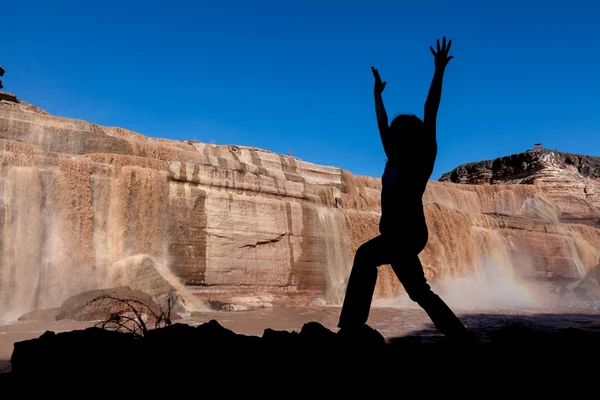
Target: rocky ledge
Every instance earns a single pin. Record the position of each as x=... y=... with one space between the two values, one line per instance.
x=522 y=167
x=210 y=355
x=570 y=181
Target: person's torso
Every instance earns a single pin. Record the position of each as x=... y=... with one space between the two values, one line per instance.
x=401 y=184
x=402 y=201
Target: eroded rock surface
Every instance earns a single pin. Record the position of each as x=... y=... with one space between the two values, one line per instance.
x=102 y=304
x=243 y=227
x=572 y=181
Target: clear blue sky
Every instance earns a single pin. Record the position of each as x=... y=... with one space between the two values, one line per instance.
x=295 y=75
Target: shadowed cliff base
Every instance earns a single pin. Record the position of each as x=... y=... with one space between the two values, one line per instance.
x=313 y=358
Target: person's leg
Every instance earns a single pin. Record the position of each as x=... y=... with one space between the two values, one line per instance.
x=361 y=284
x=410 y=273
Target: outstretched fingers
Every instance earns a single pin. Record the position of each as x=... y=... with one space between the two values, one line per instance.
x=441 y=55
x=379 y=86
x=445 y=48
x=375 y=73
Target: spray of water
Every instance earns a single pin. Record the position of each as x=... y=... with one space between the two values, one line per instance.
x=145 y=273
x=489 y=284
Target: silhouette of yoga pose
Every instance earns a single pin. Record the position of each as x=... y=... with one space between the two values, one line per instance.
x=411 y=148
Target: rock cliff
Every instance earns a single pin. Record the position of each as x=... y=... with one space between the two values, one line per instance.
x=85 y=207
x=571 y=181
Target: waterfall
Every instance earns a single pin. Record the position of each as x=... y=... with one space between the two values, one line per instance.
x=337 y=251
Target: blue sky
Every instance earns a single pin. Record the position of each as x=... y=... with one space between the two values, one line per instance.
x=295 y=75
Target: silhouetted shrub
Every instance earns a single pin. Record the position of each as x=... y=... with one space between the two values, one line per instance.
x=131 y=318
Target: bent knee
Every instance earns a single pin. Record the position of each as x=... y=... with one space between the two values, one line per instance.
x=417 y=240
x=418 y=243
x=362 y=251
x=363 y=256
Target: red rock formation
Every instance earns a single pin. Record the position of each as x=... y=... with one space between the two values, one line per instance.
x=85 y=207
x=571 y=181
x=519 y=228
x=228 y=222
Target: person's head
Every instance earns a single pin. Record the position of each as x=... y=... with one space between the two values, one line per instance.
x=406 y=124
x=406 y=130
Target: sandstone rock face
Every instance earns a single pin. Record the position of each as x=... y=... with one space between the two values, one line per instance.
x=77 y=199
x=515 y=228
x=87 y=207
x=566 y=204
x=571 y=181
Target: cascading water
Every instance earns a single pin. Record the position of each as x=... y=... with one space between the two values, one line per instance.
x=541 y=209
x=21 y=240
x=64 y=228
x=337 y=248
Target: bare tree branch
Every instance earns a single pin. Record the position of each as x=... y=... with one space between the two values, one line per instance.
x=119 y=321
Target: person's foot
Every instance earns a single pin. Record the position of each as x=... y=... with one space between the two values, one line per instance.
x=363 y=336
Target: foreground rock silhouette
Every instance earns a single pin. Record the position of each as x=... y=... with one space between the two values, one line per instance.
x=315 y=357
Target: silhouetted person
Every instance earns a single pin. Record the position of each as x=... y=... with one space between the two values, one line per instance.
x=1 y=74
x=411 y=148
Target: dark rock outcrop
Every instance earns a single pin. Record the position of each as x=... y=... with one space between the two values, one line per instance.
x=472 y=173
x=570 y=183
x=5 y=96
x=209 y=352
x=520 y=166
x=211 y=356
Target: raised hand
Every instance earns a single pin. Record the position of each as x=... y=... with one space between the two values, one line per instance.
x=441 y=56
x=379 y=86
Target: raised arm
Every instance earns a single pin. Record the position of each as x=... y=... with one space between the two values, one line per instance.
x=432 y=103
x=382 y=118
